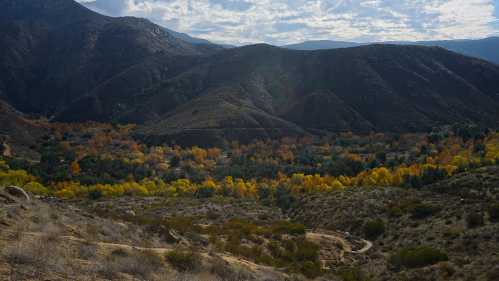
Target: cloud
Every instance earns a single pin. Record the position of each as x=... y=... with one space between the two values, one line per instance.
x=287 y=21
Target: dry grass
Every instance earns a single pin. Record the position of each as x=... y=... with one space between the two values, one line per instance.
x=225 y=272
x=142 y=264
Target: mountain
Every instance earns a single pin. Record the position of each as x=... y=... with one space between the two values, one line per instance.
x=321 y=45
x=483 y=48
x=55 y=51
x=187 y=38
x=64 y=61
x=486 y=49
x=263 y=91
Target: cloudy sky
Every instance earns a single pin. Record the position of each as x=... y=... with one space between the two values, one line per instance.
x=289 y=21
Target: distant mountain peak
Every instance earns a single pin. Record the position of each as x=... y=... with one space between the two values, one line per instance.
x=482 y=48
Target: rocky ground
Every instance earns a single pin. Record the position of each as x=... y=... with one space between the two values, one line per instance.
x=358 y=233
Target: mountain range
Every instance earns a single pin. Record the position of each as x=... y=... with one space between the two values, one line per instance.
x=66 y=62
x=486 y=49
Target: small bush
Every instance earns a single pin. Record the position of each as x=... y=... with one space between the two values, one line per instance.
x=422 y=211
x=120 y=253
x=20 y=254
x=184 y=260
x=474 y=220
x=351 y=274
x=226 y=272
x=143 y=263
x=311 y=269
x=87 y=251
x=31 y=251
x=285 y=227
x=374 y=229
x=494 y=212
x=95 y=195
x=137 y=263
x=417 y=257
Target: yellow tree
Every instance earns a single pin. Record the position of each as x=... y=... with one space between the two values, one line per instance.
x=75 y=168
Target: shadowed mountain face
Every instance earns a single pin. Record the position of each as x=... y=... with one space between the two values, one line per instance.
x=264 y=91
x=63 y=59
x=55 y=51
x=483 y=48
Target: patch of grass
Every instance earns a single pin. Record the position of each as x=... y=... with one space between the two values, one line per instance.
x=184 y=261
x=417 y=257
x=87 y=251
x=137 y=263
x=225 y=272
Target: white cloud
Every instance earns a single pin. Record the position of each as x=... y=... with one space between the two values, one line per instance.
x=287 y=21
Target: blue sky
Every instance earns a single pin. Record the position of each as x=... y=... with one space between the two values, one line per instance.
x=289 y=21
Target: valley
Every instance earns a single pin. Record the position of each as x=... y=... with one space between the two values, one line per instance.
x=132 y=152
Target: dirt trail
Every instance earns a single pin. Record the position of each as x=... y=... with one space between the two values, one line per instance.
x=347 y=247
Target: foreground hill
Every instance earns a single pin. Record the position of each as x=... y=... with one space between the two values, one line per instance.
x=379 y=233
x=482 y=48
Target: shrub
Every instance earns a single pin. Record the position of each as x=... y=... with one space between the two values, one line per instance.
x=87 y=251
x=494 y=212
x=374 y=229
x=120 y=253
x=184 y=260
x=205 y=192
x=474 y=220
x=422 y=211
x=351 y=274
x=225 y=272
x=311 y=269
x=286 y=227
x=21 y=253
x=95 y=195
x=306 y=250
x=417 y=257
x=142 y=263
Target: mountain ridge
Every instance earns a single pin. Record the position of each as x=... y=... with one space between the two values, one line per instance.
x=129 y=70
x=481 y=48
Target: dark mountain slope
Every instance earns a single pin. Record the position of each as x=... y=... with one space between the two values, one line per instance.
x=61 y=58
x=313 y=45
x=18 y=133
x=486 y=49
x=57 y=51
x=379 y=87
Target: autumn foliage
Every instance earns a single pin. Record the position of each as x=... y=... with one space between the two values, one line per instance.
x=100 y=160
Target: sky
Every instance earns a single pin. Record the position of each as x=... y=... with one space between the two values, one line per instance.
x=281 y=22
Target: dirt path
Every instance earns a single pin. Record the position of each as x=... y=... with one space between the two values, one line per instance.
x=347 y=247
x=367 y=247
